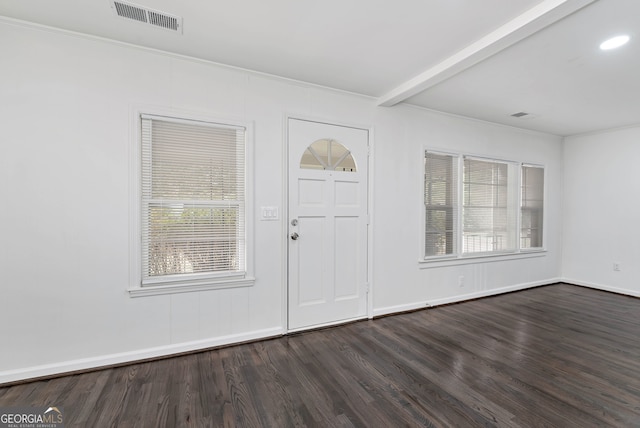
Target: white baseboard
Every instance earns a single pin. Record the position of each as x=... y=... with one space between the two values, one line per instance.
x=390 y=310
x=27 y=373
x=602 y=287
x=328 y=324
x=128 y=357
x=461 y=297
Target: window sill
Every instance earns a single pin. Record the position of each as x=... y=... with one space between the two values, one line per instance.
x=189 y=287
x=484 y=258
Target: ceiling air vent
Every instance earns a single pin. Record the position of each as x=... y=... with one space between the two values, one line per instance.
x=147 y=16
x=519 y=114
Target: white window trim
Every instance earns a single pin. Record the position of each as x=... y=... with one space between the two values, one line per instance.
x=477 y=258
x=195 y=282
x=459 y=258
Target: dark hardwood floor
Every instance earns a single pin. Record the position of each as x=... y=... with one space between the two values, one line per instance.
x=555 y=356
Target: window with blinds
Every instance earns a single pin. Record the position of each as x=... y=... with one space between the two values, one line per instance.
x=479 y=206
x=440 y=200
x=531 y=206
x=488 y=222
x=193 y=199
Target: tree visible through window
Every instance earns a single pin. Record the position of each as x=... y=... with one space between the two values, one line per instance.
x=193 y=198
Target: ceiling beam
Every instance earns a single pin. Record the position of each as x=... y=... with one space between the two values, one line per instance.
x=535 y=19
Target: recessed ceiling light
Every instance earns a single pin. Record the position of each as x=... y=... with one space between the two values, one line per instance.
x=614 y=42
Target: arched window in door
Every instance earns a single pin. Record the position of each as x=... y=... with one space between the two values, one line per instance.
x=329 y=155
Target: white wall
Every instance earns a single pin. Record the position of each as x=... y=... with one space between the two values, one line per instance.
x=601 y=207
x=65 y=117
x=401 y=134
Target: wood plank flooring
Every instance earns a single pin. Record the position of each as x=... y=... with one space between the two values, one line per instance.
x=555 y=356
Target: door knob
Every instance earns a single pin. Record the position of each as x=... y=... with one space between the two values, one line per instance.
x=295 y=236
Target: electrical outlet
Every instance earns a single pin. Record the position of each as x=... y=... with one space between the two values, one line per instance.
x=461 y=281
x=616 y=266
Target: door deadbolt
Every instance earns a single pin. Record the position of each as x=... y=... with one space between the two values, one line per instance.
x=294 y=222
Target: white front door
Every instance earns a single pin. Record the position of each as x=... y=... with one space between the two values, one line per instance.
x=327 y=223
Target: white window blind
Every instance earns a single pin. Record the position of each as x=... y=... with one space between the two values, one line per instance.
x=488 y=206
x=440 y=199
x=531 y=206
x=193 y=199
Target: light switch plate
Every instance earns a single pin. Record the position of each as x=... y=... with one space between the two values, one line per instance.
x=269 y=213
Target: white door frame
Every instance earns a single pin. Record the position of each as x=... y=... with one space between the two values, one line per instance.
x=286 y=219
